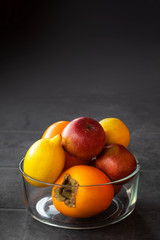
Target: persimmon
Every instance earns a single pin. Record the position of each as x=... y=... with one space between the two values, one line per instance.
x=54 y=129
x=85 y=191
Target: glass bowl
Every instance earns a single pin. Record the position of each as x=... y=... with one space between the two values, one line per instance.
x=38 y=201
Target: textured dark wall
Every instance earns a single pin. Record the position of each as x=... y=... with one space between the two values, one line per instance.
x=99 y=45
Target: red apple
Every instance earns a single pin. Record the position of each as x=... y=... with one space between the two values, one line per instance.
x=83 y=138
x=116 y=161
x=117 y=188
x=71 y=161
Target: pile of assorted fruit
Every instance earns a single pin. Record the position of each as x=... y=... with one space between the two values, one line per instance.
x=84 y=156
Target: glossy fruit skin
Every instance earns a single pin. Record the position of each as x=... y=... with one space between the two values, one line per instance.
x=116 y=161
x=116 y=131
x=83 y=138
x=90 y=201
x=71 y=161
x=54 y=129
x=44 y=161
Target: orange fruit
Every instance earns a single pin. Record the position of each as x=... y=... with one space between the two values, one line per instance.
x=79 y=201
x=44 y=161
x=54 y=129
x=116 y=131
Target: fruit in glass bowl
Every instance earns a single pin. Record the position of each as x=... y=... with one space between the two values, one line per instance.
x=83 y=138
x=116 y=161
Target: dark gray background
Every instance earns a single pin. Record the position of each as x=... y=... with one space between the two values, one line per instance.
x=65 y=59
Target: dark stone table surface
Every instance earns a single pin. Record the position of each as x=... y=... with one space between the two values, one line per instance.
x=62 y=62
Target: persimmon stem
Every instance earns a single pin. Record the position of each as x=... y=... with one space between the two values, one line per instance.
x=67 y=193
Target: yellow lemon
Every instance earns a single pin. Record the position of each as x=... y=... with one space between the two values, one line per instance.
x=44 y=161
x=116 y=131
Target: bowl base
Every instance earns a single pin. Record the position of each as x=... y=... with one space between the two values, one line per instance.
x=45 y=212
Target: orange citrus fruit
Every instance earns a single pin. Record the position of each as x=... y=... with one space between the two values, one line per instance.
x=44 y=161
x=116 y=131
x=54 y=129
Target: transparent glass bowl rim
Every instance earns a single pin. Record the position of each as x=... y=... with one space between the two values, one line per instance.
x=117 y=182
